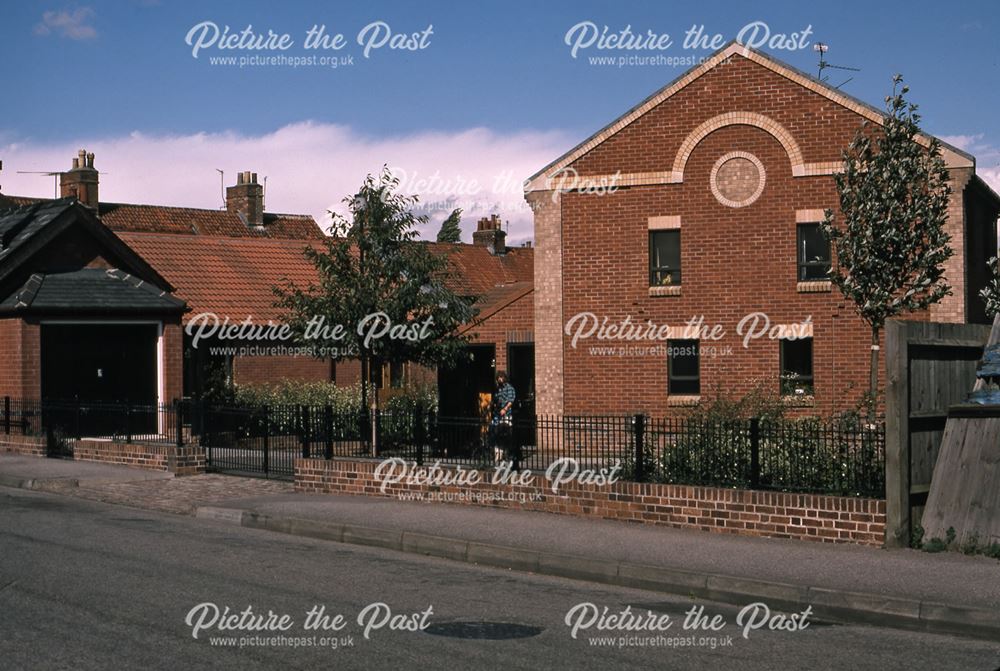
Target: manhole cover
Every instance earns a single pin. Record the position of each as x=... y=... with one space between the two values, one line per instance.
x=492 y=631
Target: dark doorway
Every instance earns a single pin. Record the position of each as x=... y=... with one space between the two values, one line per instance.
x=102 y=364
x=208 y=375
x=459 y=388
x=521 y=369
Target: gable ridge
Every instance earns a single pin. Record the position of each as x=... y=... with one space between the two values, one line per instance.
x=540 y=181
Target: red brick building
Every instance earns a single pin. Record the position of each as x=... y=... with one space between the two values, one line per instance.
x=703 y=202
x=95 y=296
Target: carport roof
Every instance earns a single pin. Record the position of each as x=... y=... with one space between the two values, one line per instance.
x=90 y=290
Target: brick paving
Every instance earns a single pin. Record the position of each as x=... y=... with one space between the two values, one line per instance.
x=181 y=496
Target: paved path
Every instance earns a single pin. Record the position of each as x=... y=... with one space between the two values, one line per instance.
x=946 y=577
x=182 y=495
x=136 y=487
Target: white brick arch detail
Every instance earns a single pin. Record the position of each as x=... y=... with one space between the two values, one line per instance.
x=767 y=124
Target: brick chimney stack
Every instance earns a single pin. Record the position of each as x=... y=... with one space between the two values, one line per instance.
x=81 y=181
x=489 y=234
x=246 y=198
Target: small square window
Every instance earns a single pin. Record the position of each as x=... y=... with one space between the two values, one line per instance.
x=797 y=367
x=664 y=258
x=683 y=368
x=813 y=253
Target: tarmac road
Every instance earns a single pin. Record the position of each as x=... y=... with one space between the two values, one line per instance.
x=85 y=585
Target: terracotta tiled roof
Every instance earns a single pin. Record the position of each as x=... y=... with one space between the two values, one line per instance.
x=156 y=219
x=292 y=226
x=228 y=276
x=233 y=276
x=129 y=217
x=476 y=271
x=496 y=299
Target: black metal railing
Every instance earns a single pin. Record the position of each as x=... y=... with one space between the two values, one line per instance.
x=799 y=455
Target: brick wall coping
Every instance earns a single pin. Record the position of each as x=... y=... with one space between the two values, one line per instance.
x=826 y=518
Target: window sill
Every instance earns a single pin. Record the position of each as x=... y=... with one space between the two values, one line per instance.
x=678 y=400
x=668 y=290
x=799 y=401
x=815 y=287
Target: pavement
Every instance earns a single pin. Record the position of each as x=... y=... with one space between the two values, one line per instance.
x=940 y=593
x=29 y=472
x=134 y=487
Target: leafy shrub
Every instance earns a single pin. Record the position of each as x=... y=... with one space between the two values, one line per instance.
x=343 y=399
x=712 y=445
x=970 y=545
x=917 y=538
x=397 y=413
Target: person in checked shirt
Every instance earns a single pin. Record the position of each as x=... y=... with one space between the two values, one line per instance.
x=502 y=421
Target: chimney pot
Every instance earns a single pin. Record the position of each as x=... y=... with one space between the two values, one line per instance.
x=491 y=235
x=81 y=181
x=246 y=199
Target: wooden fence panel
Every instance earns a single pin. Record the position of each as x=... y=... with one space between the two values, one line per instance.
x=930 y=367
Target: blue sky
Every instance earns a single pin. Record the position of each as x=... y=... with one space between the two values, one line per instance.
x=495 y=84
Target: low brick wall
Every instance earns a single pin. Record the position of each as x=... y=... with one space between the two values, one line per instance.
x=834 y=519
x=188 y=460
x=170 y=458
x=24 y=445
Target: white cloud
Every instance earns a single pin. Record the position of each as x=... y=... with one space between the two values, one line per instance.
x=310 y=167
x=991 y=176
x=72 y=24
x=963 y=142
x=987 y=156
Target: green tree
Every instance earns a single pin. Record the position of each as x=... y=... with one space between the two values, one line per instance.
x=891 y=245
x=374 y=274
x=991 y=293
x=450 y=230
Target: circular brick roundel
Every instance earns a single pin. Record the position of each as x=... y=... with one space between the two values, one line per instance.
x=737 y=179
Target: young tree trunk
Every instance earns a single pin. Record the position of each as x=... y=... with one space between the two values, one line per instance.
x=364 y=387
x=873 y=377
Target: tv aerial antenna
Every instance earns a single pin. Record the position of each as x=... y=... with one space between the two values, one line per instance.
x=222 y=187
x=53 y=175
x=821 y=48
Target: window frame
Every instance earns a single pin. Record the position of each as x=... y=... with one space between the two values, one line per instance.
x=802 y=266
x=656 y=272
x=672 y=378
x=784 y=378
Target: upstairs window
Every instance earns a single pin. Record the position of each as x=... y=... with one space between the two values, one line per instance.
x=797 y=367
x=683 y=368
x=813 y=253
x=664 y=258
